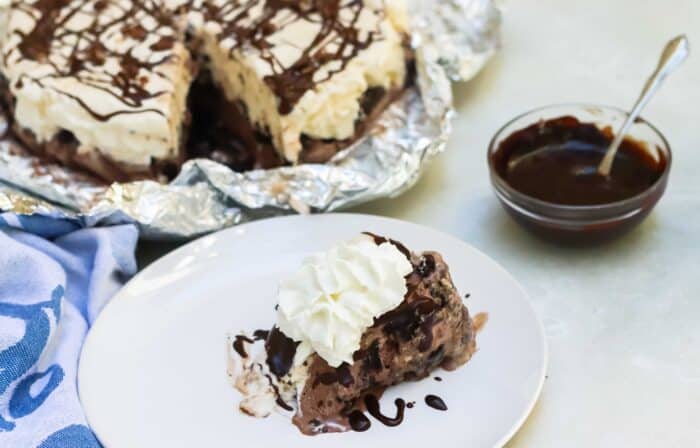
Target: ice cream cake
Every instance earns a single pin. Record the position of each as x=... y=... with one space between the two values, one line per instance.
x=115 y=86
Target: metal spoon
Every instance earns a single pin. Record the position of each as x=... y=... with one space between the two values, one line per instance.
x=676 y=51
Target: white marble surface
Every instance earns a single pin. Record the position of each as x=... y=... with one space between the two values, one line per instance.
x=623 y=320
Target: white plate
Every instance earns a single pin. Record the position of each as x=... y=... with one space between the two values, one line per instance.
x=153 y=368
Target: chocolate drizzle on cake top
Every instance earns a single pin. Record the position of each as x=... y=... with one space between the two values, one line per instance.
x=81 y=51
x=36 y=44
x=337 y=40
x=76 y=39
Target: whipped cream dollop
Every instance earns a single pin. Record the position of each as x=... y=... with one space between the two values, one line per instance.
x=335 y=296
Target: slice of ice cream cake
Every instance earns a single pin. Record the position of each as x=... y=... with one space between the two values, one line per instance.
x=366 y=315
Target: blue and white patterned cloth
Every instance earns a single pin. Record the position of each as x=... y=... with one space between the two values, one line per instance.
x=55 y=278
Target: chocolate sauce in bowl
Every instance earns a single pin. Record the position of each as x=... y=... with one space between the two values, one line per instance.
x=556 y=161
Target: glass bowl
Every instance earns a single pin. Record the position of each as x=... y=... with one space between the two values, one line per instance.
x=581 y=223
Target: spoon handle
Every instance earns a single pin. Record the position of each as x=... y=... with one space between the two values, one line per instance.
x=676 y=51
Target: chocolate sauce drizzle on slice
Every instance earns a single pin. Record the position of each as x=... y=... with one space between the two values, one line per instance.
x=239 y=345
x=279 y=357
x=372 y=404
x=371 y=357
x=280 y=352
x=378 y=240
x=410 y=317
x=241 y=340
x=416 y=313
x=359 y=421
x=261 y=335
x=338 y=39
x=435 y=402
x=280 y=402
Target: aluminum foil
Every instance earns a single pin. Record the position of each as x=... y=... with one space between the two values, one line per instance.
x=452 y=39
